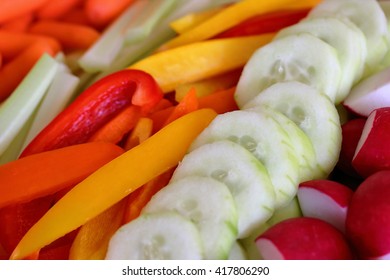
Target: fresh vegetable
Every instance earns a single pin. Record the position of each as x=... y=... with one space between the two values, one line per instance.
x=113 y=181
x=371 y=154
x=325 y=200
x=96 y=106
x=303 y=239
x=367 y=223
x=25 y=179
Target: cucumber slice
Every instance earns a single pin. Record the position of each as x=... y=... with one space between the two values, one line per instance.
x=241 y=172
x=266 y=140
x=302 y=145
x=299 y=57
x=159 y=236
x=209 y=204
x=313 y=113
x=368 y=16
x=349 y=42
x=237 y=252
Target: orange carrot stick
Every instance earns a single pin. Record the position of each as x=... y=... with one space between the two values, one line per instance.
x=11 y=9
x=116 y=128
x=12 y=43
x=56 y=8
x=46 y=173
x=19 y=24
x=185 y=106
x=76 y=16
x=102 y=12
x=12 y=73
x=221 y=101
x=71 y=36
x=140 y=133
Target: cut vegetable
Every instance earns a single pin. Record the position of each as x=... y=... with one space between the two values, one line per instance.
x=368 y=16
x=16 y=110
x=300 y=57
x=314 y=113
x=348 y=40
x=157 y=236
x=246 y=178
x=266 y=140
x=206 y=202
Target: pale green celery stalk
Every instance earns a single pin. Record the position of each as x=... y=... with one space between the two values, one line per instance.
x=130 y=53
x=19 y=107
x=55 y=100
x=144 y=24
x=102 y=53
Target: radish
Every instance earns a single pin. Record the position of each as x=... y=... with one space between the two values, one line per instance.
x=372 y=152
x=303 y=239
x=370 y=94
x=326 y=200
x=351 y=133
x=368 y=217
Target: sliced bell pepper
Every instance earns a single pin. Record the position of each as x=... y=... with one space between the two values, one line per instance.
x=200 y=60
x=231 y=16
x=115 y=180
x=98 y=104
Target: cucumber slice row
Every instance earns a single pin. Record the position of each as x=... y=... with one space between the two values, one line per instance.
x=157 y=236
x=246 y=178
x=347 y=39
x=314 y=113
x=298 y=57
x=266 y=140
x=209 y=204
x=368 y=16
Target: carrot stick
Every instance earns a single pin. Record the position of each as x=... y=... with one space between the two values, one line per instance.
x=187 y=105
x=71 y=36
x=56 y=8
x=102 y=12
x=19 y=24
x=11 y=9
x=24 y=179
x=12 y=43
x=221 y=101
x=12 y=73
x=137 y=200
x=76 y=16
x=140 y=133
x=92 y=240
x=116 y=128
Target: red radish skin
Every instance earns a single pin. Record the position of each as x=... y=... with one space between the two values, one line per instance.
x=351 y=133
x=368 y=217
x=372 y=152
x=369 y=94
x=303 y=238
x=326 y=200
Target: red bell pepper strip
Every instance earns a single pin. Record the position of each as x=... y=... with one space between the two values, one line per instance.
x=265 y=23
x=96 y=106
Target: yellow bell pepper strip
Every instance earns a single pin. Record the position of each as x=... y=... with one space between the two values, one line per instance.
x=92 y=239
x=200 y=60
x=142 y=131
x=189 y=21
x=115 y=180
x=231 y=16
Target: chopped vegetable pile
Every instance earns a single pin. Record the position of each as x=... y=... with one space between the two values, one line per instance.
x=194 y=129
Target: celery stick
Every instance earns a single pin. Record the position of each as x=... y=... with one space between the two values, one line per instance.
x=107 y=47
x=18 y=108
x=55 y=100
x=143 y=25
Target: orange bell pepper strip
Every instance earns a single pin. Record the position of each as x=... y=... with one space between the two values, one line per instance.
x=231 y=16
x=202 y=60
x=220 y=101
x=24 y=179
x=92 y=239
x=115 y=180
